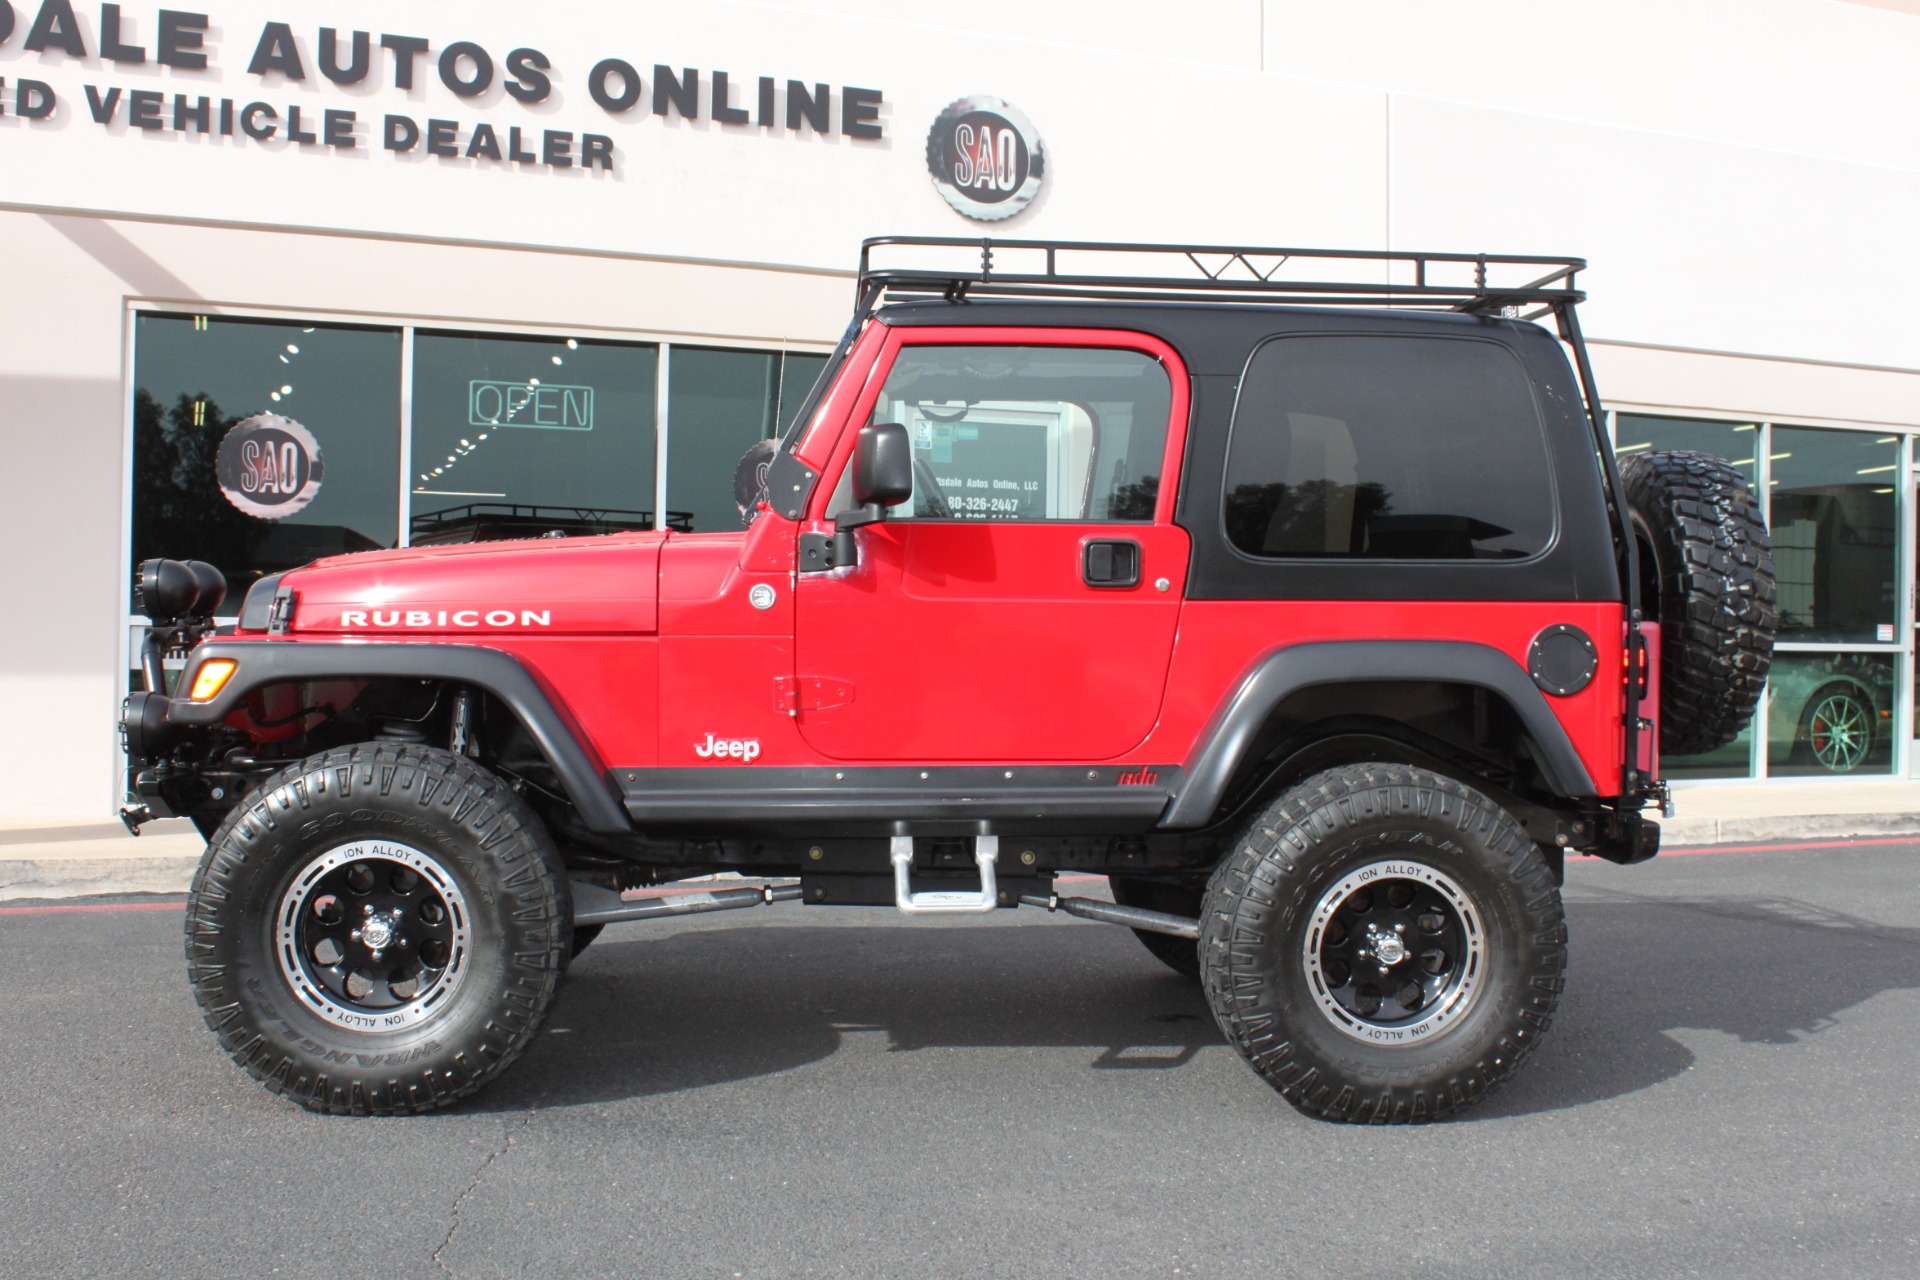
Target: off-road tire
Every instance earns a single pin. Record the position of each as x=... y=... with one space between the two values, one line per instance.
x=1178 y=954
x=463 y=825
x=1260 y=918
x=1711 y=589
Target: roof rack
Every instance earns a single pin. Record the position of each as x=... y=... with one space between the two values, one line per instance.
x=957 y=269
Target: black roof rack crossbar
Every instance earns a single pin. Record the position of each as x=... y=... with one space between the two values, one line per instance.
x=1474 y=283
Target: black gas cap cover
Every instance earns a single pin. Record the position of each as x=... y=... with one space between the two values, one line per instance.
x=1562 y=660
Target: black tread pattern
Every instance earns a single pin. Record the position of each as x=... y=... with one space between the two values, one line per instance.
x=1262 y=892
x=402 y=784
x=1716 y=608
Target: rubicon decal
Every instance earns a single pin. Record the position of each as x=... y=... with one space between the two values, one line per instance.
x=1138 y=778
x=744 y=749
x=986 y=158
x=422 y=618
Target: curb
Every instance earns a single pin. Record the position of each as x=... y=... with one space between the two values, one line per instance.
x=79 y=868
x=1694 y=832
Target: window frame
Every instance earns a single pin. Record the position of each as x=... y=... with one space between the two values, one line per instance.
x=834 y=470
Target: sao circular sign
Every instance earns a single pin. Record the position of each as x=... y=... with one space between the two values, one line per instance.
x=269 y=466
x=986 y=158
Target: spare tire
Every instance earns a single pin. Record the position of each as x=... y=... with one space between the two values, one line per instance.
x=1706 y=576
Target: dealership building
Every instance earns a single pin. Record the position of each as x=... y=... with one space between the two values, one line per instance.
x=279 y=282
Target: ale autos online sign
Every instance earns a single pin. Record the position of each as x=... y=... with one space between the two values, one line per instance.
x=183 y=43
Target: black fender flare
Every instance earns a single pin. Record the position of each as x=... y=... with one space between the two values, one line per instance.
x=267 y=662
x=1268 y=683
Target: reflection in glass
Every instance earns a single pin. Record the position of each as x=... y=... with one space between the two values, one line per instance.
x=1830 y=713
x=1833 y=520
x=513 y=437
x=1737 y=442
x=1350 y=446
x=196 y=376
x=720 y=403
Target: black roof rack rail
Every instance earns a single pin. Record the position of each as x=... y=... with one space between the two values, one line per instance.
x=959 y=268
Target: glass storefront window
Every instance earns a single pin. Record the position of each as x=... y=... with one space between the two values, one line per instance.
x=1738 y=443
x=720 y=403
x=514 y=437
x=281 y=495
x=1834 y=518
x=1830 y=714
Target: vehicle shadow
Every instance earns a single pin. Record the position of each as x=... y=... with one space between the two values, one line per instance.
x=1767 y=971
x=698 y=1007
x=693 y=1008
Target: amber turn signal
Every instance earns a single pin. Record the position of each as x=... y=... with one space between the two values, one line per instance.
x=212 y=678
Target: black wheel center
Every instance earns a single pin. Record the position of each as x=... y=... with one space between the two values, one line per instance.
x=373 y=933
x=1392 y=950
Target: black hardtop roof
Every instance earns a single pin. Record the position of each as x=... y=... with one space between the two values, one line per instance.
x=1212 y=338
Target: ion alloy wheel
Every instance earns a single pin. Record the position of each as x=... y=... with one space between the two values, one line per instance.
x=1394 y=953
x=1383 y=945
x=373 y=936
x=378 y=930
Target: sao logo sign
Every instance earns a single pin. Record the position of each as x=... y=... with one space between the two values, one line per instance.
x=986 y=158
x=269 y=466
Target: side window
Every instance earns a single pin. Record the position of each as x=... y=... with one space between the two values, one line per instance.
x=1387 y=447
x=1029 y=433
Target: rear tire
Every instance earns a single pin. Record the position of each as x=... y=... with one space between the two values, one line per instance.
x=1384 y=945
x=1178 y=954
x=378 y=930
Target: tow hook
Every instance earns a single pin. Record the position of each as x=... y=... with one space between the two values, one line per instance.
x=133 y=815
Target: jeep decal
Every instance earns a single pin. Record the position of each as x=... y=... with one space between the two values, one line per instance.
x=746 y=749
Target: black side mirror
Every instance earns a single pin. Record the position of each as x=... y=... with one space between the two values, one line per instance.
x=882 y=465
x=882 y=478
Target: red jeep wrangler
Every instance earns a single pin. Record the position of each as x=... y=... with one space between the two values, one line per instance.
x=1296 y=592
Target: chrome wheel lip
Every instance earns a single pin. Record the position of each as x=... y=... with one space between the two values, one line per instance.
x=1456 y=999
x=314 y=996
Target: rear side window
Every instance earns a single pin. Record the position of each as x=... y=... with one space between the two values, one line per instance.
x=1029 y=433
x=1387 y=447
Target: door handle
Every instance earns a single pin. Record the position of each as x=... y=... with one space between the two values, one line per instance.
x=1110 y=562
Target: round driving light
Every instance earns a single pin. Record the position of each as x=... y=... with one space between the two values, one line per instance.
x=166 y=589
x=144 y=730
x=210 y=585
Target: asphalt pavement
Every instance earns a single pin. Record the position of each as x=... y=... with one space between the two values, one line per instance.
x=798 y=1092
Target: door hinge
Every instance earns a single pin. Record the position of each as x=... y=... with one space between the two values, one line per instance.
x=794 y=694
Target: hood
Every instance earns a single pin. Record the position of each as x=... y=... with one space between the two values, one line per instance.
x=542 y=586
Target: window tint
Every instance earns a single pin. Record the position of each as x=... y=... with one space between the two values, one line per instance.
x=1029 y=433
x=1387 y=447
x=719 y=404
x=197 y=378
x=513 y=437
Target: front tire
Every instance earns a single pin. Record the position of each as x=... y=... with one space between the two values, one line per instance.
x=1384 y=945
x=378 y=930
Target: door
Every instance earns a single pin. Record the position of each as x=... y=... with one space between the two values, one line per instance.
x=1022 y=605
